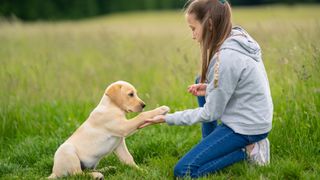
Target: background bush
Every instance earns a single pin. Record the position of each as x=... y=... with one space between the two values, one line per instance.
x=75 y=9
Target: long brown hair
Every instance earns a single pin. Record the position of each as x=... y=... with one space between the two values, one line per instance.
x=215 y=18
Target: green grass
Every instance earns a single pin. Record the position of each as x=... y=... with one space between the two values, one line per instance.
x=53 y=74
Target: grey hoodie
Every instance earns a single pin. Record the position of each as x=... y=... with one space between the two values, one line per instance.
x=242 y=98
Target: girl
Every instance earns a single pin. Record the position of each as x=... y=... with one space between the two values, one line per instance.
x=235 y=88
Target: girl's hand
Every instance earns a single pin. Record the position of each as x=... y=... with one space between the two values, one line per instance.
x=156 y=120
x=197 y=89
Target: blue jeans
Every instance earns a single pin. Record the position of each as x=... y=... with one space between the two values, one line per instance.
x=220 y=147
x=206 y=128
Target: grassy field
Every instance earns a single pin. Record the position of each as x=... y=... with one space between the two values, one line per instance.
x=53 y=74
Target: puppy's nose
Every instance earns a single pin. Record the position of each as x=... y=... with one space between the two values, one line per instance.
x=143 y=105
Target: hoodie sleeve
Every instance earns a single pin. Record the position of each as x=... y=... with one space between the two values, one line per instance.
x=216 y=98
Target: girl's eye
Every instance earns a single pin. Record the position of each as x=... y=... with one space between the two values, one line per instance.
x=131 y=94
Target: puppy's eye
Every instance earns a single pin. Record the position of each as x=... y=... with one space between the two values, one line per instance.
x=131 y=94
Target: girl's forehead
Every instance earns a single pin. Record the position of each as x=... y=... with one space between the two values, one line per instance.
x=190 y=17
x=187 y=15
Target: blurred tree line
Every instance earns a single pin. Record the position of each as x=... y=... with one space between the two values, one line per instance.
x=75 y=9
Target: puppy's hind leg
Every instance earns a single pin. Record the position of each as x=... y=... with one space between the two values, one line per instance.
x=66 y=162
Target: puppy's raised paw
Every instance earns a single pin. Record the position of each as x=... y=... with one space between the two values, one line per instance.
x=164 y=110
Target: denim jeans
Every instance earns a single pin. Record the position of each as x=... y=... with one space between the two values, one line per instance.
x=220 y=147
x=208 y=127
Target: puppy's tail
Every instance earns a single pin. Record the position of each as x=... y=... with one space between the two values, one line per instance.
x=52 y=176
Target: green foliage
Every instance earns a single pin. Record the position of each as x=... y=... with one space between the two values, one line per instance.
x=75 y=9
x=31 y=10
x=53 y=74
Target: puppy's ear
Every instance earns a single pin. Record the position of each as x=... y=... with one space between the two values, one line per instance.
x=114 y=93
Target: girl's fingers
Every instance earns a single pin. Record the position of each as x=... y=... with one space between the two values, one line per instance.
x=145 y=125
x=148 y=122
x=197 y=89
x=191 y=87
x=194 y=92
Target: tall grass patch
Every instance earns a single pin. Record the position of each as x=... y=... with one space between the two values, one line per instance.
x=53 y=74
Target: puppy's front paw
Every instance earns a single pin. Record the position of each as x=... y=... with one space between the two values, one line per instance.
x=97 y=175
x=163 y=110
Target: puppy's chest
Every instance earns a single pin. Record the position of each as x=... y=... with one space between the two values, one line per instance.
x=105 y=145
x=97 y=149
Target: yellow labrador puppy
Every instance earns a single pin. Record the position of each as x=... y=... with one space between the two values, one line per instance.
x=103 y=132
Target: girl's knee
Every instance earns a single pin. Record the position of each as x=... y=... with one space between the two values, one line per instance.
x=181 y=171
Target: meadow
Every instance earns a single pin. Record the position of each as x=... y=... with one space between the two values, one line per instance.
x=53 y=74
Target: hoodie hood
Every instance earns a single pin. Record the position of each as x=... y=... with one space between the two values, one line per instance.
x=239 y=40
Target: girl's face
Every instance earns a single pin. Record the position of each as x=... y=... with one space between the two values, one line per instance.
x=195 y=27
